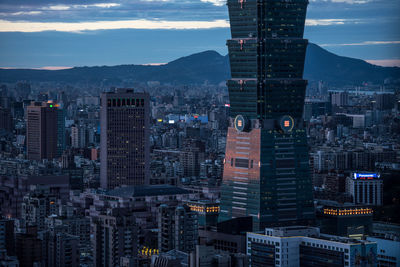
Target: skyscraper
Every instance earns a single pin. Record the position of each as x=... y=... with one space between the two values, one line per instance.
x=266 y=170
x=41 y=130
x=124 y=138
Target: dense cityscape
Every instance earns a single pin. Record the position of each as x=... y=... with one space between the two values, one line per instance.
x=267 y=169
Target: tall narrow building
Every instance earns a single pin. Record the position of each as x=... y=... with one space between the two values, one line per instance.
x=41 y=130
x=266 y=169
x=124 y=138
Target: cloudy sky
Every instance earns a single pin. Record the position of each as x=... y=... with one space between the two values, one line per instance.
x=65 y=33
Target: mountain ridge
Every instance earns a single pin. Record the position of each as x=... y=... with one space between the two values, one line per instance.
x=209 y=66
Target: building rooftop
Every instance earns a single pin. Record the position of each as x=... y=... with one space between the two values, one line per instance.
x=147 y=190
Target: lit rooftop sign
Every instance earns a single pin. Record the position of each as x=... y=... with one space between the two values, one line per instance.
x=366 y=176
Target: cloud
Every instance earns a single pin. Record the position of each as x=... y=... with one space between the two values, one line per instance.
x=215 y=2
x=68 y=7
x=385 y=62
x=27 y=26
x=21 y=13
x=57 y=7
x=363 y=43
x=328 y=22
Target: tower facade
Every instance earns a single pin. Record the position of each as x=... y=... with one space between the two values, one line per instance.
x=124 y=138
x=266 y=170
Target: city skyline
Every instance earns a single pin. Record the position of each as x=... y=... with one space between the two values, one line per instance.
x=72 y=33
x=277 y=154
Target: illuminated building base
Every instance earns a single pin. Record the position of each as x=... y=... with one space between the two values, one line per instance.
x=266 y=176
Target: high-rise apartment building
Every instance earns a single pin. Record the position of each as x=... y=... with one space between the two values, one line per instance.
x=114 y=236
x=177 y=227
x=266 y=170
x=37 y=205
x=41 y=131
x=191 y=156
x=124 y=138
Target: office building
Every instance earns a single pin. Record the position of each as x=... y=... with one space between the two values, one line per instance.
x=61 y=140
x=178 y=228
x=124 y=138
x=266 y=168
x=6 y=120
x=384 y=101
x=388 y=250
x=387 y=237
x=207 y=212
x=365 y=188
x=41 y=131
x=305 y=246
x=345 y=220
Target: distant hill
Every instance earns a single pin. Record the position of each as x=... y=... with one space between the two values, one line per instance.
x=208 y=66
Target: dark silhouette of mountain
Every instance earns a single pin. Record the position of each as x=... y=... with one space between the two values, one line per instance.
x=323 y=65
x=208 y=66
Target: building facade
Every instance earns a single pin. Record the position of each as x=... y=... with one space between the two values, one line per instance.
x=365 y=188
x=305 y=246
x=177 y=227
x=266 y=170
x=41 y=131
x=114 y=236
x=124 y=138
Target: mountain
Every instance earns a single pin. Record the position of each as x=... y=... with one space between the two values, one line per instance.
x=208 y=66
x=323 y=65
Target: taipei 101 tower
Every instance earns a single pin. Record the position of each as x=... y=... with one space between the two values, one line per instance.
x=266 y=167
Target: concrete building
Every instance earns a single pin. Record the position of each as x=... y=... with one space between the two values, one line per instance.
x=37 y=205
x=178 y=228
x=29 y=248
x=340 y=99
x=114 y=236
x=41 y=131
x=14 y=188
x=305 y=246
x=365 y=188
x=63 y=250
x=191 y=156
x=124 y=138
x=74 y=225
